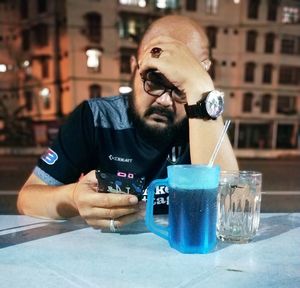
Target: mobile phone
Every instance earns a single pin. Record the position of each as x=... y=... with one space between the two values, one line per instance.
x=121 y=182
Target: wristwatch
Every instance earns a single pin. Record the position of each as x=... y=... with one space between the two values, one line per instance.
x=210 y=107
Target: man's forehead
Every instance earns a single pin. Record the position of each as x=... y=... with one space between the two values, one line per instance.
x=193 y=37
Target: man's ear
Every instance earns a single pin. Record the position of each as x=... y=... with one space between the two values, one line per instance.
x=206 y=64
x=133 y=63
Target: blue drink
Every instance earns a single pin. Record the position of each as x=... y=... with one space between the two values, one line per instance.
x=193 y=191
x=192 y=220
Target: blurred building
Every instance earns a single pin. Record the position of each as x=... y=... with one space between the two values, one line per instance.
x=54 y=54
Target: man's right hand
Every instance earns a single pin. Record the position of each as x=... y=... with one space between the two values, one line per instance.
x=99 y=208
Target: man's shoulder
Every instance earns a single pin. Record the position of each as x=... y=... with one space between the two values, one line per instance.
x=107 y=102
x=110 y=112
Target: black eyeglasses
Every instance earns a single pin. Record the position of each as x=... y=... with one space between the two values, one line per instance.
x=156 y=84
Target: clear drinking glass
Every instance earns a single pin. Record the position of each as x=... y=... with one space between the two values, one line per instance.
x=239 y=201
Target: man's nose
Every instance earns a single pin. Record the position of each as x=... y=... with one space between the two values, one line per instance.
x=165 y=99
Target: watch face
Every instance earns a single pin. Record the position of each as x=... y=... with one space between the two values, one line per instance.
x=214 y=103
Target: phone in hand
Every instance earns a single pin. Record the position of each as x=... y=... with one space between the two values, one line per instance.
x=121 y=182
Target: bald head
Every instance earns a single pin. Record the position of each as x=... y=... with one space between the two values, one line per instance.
x=180 y=28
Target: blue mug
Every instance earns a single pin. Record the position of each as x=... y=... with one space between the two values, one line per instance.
x=193 y=191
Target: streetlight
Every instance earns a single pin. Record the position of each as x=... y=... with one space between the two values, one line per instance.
x=125 y=89
x=3 y=68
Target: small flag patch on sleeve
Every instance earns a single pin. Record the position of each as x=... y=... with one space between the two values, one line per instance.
x=49 y=157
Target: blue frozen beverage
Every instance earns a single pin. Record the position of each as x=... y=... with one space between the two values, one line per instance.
x=193 y=191
x=192 y=219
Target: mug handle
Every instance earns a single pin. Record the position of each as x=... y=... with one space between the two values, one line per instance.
x=159 y=230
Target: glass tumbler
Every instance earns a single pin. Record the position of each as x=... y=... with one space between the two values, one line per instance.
x=239 y=201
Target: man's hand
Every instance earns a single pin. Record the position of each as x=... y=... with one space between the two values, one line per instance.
x=179 y=65
x=99 y=208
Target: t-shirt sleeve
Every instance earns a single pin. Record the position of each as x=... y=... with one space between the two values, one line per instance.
x=71 y=153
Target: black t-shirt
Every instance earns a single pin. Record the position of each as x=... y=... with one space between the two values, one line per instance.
x=99 y=135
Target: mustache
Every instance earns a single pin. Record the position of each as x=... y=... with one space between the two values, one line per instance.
x=170 y=115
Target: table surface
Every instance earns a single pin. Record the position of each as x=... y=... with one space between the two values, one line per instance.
x=44 y=253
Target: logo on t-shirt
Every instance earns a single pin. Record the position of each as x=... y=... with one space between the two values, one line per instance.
x=161 y=196
x=49 y=157
x=119 y=159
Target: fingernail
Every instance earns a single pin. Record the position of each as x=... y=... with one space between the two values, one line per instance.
x=133 y=200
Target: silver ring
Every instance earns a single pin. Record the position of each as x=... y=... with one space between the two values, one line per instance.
x=112 y=226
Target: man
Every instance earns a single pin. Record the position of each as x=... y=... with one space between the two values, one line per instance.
x=141 y=136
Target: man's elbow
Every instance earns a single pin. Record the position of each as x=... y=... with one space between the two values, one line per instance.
x=20 y=202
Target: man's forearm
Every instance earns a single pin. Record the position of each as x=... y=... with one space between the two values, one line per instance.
x=204 y=136
x=55 y=202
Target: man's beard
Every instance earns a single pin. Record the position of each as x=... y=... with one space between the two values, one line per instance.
x=157 y=136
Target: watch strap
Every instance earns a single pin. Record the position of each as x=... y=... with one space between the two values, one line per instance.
x=196 y=111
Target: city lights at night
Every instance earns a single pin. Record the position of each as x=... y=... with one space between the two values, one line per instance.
x=55 y=57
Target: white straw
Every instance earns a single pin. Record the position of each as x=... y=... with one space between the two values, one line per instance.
x=217 y=148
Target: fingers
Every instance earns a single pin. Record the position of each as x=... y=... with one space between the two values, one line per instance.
x=112 y=213
x=119 y=222
x=99 y=208
x=125 y=220
x=108 y=200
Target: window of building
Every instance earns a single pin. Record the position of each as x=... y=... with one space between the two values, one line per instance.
x=212 y=68
x=42 y=6
x=166 y=4
x=211 y=32
x=269 y=42
x=95 y=91
x=286 y=104
x=28 y=100
x=289 y=75
x=290 y=44
x=191 y=5
x=290 y=15
x=93 y=60
x=286 y=136
x=44 y=67
x=27 y=68
x=249 y=72
x=3 y=67
x=24 y=9
x=272 y=10
x=41 y=35
x=212 y=6
x=253 y=8
x=247 y=102
x=126 y=53
x=125 y=88
x=132 y=26
x=93 y=27
x=251 y=41
x=254 y=135
x=267 y=73
x=266 y=103
x=140 y=3
x=45 y=96
x=25 y=40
